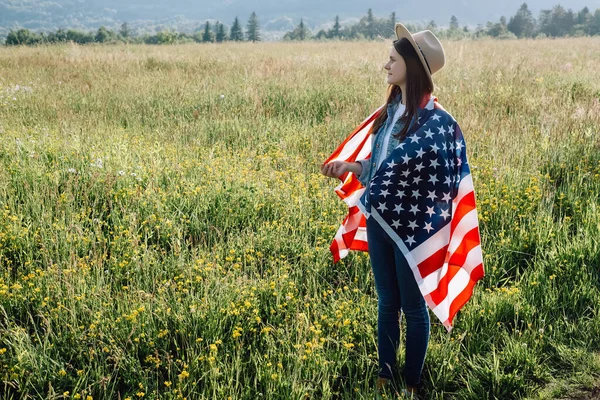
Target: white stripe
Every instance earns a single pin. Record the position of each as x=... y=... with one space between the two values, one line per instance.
x=361 y=234
x=466 y=224
x=456 y=286
x=351 y=146
x=465 y=187
x=432 y=281
x=354 y=197
x=431 y=245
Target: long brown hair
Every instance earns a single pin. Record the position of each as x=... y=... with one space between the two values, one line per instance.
x=417 y=86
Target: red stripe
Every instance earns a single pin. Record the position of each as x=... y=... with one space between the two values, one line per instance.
x=433 y=262
x=468 y=242
x=465 y=295
x=466 y=205
x=358 y=129
x=439 y=294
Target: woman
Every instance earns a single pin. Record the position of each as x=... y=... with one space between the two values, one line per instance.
x=406 y=163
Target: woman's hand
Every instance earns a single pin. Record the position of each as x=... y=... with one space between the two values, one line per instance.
x=335 y=169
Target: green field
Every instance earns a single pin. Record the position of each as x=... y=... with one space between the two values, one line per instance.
x=165 y=229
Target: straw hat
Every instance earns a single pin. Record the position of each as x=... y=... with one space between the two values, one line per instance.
x=428 y=48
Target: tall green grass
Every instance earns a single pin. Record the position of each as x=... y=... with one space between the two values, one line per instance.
x=164 y=227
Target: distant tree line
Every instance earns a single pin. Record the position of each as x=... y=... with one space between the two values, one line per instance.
x=555 y=22
x=209 y=33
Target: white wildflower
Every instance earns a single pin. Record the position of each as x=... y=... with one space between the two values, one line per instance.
x=72 y=171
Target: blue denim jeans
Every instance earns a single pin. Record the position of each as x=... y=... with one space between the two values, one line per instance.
x=397 y=290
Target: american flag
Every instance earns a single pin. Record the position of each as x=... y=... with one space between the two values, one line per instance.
x=423 y=197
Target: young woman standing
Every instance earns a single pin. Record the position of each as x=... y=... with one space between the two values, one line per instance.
x=410 y=106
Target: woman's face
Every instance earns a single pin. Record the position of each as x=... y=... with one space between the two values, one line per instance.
x=396 y=68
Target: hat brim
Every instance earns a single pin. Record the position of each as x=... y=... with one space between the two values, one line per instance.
x=402 y=32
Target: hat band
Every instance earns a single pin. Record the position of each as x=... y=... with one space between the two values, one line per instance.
x=424 y=58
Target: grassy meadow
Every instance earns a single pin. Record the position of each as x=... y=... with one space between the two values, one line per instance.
x=165 y=229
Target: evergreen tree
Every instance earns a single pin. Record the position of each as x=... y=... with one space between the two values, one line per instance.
x=335 y=32
x=522 y=24
x=252 y=32
x=236 y=33
x=125 y=32
x=221 y=35
x=453 y=23
x=370 y=29
x=393 y=23
x=207 y=36
x=299 y=33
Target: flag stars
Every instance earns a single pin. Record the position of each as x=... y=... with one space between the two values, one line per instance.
x=389 y=173
x=398 y=208
x=416 y=180
x=447 y=197
x=420 y=153
x=414 y=139
x=448 y=181
x=413 y=225
x=433 y=178
x=459 y=145
x=429 y=134
x=428 y=227
x=434 y=163
x=410 y=240
x=419 y=167
x=414 y=209
x=430 y=211
x=405 y=159
x=391 y=164
x=431 y=195
x=396 y=223
x=441 y=130
x=415 y=194
x=386 y=182
x=451 y=129
x=405 y=173
x=384 y=193
x=445 y=214
x=436 y=117
x=400 y=193
x=434 y=148
x=382 y=207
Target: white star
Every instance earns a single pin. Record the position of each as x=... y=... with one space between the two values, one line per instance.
x=451 y=145
x=447 y=197
x=459 y=145
x=428 y=133
x=436 y=117
x=389 y=173
x=433 y=163
x=382 y=207
x=430 y=211
x=434 y=148
x=458 y=162
x=398 y=208
x=441 y=130
x=452 y=163
x=400 y=193
x=419 y=167
x=444 y=146
x=431 y=195
x=405 y=173
x=386 y=182
x=448 y=181
x=416 y=194
x=401 y=145
x=414 y=138
x=396 y=223
x=420 y=152
x=417 y=180
x=413 y=225
x=384 y=193
x=410 y=240
x=414 y=209
x=451 y=129
x=428 y=227
x=406 y=159
x=445 y=214
x=433 y=178
x=391 y=164
x=403 y=183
